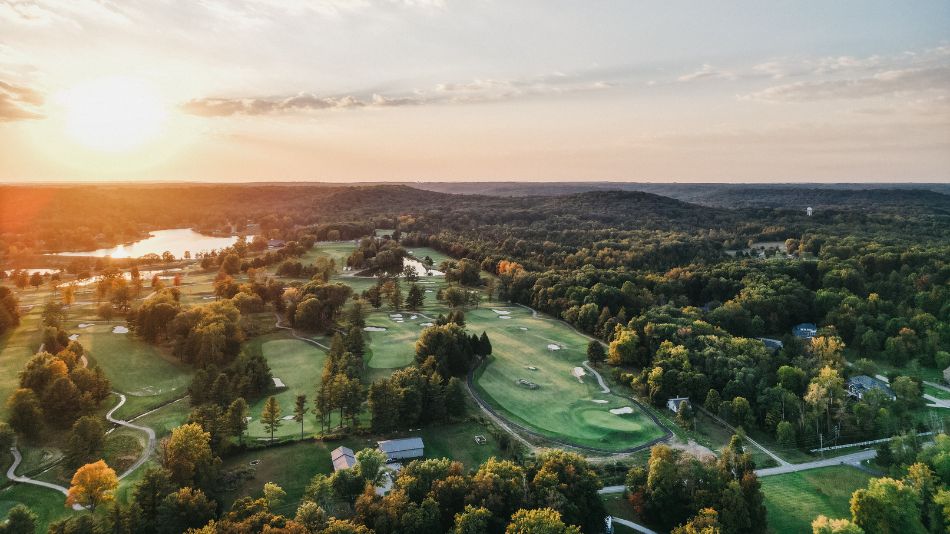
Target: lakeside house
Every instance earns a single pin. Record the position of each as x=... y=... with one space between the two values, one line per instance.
x=401 y=449
x=861 y=384
x=343 y=458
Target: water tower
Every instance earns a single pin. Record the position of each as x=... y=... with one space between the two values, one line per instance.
x=808 y=211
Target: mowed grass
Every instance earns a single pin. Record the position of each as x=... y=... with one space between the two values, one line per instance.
x=794 y=500
x=299 y=365
x=144 y=372
x=394 y=347
x=562 y=407
x=16 y=348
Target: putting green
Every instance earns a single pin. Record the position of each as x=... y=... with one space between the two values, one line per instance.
x=561 y=407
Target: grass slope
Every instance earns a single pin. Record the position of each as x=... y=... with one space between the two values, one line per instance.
x=794 y=500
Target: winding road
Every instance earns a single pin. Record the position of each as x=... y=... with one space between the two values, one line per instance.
x=294 y=334
x=149 y=449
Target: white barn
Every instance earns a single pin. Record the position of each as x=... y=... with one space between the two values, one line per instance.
x=400 y=449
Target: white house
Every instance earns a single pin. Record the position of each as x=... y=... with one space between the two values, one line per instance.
x=400 y=449
x=674 y=404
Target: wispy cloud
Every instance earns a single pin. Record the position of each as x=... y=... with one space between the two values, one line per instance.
x=475 y=91
x=884 y=83
x=18 y=102
x=706 y=72
x=72 y=12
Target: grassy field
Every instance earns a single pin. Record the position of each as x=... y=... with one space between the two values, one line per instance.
x=299 y=365
x=394 y=347
x=618 y=506
x=794 y=500
x=522 y=349
x=16 y=348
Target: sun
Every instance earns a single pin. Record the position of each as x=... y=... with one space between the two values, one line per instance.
x=113 y=114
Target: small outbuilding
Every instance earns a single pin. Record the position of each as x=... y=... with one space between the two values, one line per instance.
x=343 y=458
x=774 y=345
x=276 y=243
x=401 y=449
x=861 y=384
x=674 y=404
x=805 y=330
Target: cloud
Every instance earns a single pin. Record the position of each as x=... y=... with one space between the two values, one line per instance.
x=18 y=103
x=706 y=72
x=883 y=83
x=475 y=91
x=71 y=12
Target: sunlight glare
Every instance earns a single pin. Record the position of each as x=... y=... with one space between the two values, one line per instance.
x=113 y=114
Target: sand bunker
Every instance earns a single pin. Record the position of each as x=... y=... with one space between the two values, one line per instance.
x=426 y=324
x=552 y=346
x=531 y=367
x=85 y=325
x=622 y=411
x=209 y=297
x=74 y=337
x=522 y=328
x=286 y=418
x=501 y=312
x=599 y=401
x=578 y=372
x=413 y=317
x=373 y=329
x=504 y=317
x=395 y=316
x=278 y=383
x=429 y=291
x=120 y=330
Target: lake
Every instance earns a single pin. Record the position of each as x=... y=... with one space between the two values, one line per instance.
x=176 y=241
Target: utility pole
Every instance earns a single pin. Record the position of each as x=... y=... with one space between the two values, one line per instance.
x=821 y=444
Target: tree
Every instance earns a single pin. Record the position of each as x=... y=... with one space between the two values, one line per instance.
x=539 y=521
x=595 y=352
x=187 y=453
x=887 y=506
x=20 y=520
x=785 y=434
x=300 y=410
x=86 y=440
x=26 y=415
x=270 y=416
x=826 y=395
x=706 y=521
x=274 y=495
x=829 y=351
x=415 y=298
x=149 y=494
x=685 y=416
x=824 y=525
x=92 y=485
x=231 y=264
x=454 y=398
x=184 y=509
x=7 y=436
x=237 y=418
x=369 y=465
x=472 y=520
x=623 y=349
x=311 y=516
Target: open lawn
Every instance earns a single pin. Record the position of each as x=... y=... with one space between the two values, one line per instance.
x=394 y=347
x=147 y=374
x=299 y=365
x=48 y=505
x=16 y=348
x=618 y=506
x=794 y=500
x=545 y=352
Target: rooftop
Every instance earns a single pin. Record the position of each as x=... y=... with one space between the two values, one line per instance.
x=396 y=445
x=343 y=458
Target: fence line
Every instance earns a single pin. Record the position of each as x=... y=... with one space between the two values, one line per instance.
x=860 y=443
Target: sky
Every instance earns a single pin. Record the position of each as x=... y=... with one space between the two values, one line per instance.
x=469 y=90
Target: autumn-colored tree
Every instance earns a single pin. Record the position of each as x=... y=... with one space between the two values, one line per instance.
x=187 y=452
x=92 y=485
x=539 y=521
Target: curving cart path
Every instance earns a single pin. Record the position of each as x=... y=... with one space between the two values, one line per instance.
x=294 y=334
x=149 y=449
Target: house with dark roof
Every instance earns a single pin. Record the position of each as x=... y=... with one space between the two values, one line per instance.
x=774 y=345
x=401 y=449
x=861 y=384
x=805 y=330
x=673 y=405
x=343 y=458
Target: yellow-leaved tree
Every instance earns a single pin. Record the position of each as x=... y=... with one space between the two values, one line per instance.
x=92 y=485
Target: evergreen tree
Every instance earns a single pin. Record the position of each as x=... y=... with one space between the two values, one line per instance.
x=270 y=416
x=300 y=409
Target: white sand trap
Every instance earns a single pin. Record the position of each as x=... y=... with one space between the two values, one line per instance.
x=622 y=411
x=522 y=328
x=578 y=372
x=287 y=418
x=398 y=320
x=599 y=401
x=501 y=312
x=413 y=318
x=504 y=317
x=278 y=383
x=208 y=298
x=85 y=325
x=426 y=324
x=429 y=291
x=552 y=346
x=531 y=367
x=373 y=329
x=395 y=316
x=120 y=330
x=248 y=418
x=74 y=337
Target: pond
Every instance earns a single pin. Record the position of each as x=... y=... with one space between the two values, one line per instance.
x=176 y=241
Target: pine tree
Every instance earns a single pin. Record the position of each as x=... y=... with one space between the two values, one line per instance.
x=395 y=297
x=270 y=416
x=300 y=409
x=415 y=298
x=484 y=345
x=237 y=418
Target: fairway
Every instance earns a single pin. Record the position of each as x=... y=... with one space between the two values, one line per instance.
x=147 y=375
x=299 y=365
x=562 y=407
x=394 y=347
x=794 y=500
